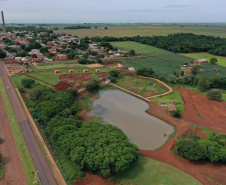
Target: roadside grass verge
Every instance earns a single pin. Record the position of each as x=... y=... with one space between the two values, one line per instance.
x=27 y=163
x=1 y=171
x=147 y=170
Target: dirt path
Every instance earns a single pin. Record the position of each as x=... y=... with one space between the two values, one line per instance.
x=203 y=112
x=202 y=171
x=13 y=169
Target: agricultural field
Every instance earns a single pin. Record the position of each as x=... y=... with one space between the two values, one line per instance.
x=140 y=48
x=50 y=65
x=49 y=78
x=152 y=30
x=209 y=72
x=148 y=170
x=221 y=60
x=140 y=86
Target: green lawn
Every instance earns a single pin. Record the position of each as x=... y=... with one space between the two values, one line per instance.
x=140 y=86
x=24 y=154
x=17 y=80
x=175 y=95
x=50 y=78
x=55 y=66
x=140 y=48
x=221 y=60
x=148 y=171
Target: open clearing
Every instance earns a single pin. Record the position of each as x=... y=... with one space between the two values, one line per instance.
x=221 y=60
x=161 y=30
x=140 y=48
x=147 y=170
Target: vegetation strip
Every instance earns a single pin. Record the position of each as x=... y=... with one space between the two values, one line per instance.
x=25 y=157
x=54 y=165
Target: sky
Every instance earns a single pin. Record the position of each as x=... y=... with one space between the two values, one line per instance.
x=113 y=11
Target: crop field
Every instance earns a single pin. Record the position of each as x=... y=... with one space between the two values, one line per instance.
x=152 y=30
x=209 y=72
x=148 y=170
x=51 y=66
x=140 y=48
x=220 y=60
x=140 y=86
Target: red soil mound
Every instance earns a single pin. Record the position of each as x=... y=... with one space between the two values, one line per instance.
x=91 y=179
x=203 y=112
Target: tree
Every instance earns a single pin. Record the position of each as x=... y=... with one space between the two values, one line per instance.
x=72 y=91
x=2 y=54
x=132 y=52
x=93 y=84
x=204 y=83
x=83 y=61
x=182 y=73
x=105 y=28
x=213 y=60
x=27 y=83
x=99 y=61
x=195 y=69
x=148 y=72
x=70 y=55
x=114 y=73
x=214 y=94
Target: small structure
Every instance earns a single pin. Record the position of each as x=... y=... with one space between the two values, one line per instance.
x=187 y=72
x=71 y=70
x=97 y=70
x=85 y=70
x=107 y=81
x=57 y=71
x=215 y=69
x=131 y=69
x=201 y=61
x=171 y=107
x=119 y=65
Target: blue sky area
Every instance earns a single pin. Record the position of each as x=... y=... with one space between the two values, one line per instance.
x=113 y=11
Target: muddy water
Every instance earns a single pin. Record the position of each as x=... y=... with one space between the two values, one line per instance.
x=128 y=113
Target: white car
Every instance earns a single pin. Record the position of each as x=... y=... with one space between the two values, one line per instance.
x=8 y=87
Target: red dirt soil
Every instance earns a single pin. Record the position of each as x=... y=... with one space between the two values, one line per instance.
x=91 y=179
x=213 y=114
x=202 y=171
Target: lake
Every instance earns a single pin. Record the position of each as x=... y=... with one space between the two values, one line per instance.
x=128 y=113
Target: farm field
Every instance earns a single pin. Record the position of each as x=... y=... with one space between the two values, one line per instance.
x=51 y=66
x=140 y=48
x=147 y=170
x=140 y=86
x=49 y=78
x=221 y=60
x=152 y=30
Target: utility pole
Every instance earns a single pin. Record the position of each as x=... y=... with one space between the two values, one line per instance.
x=3 y=22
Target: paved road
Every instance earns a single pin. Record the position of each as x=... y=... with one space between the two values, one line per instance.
x=45 y=174
x=13 y=169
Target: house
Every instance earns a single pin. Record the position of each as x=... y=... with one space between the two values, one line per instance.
x=18 y=58
x=215 y=69
x=85 y=70
x=93 y=46
x=107 y=81
x=57 y=71
x=97 y=70
x=186 y=66
x=187 y=73
x=131 y=69
x=36 y=59
x=71 y=70
x=201 y=61
x=62 y=56
x=119 y=65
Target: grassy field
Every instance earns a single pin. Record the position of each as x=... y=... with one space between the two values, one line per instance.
x=169 y=98
x=50 y=78
x=221 y=60
x=140 y=86
x=17 y=80
x=140 y=48
x=152 y=30
x=148 y=171
x=55 y=66
x=27 y=163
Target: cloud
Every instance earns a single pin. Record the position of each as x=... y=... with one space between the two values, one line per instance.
x=176 y=6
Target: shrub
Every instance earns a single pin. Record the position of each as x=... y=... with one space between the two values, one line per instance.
x=213 y=60
x=214 y=94
x=27 y=83
x=176 y=114
x=93 y=84
x=114 y=73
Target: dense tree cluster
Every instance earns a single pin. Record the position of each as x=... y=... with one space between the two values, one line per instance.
x=178 y=43
x=214 y=94
x=100 y=148
x=147 y=72
x=212 y=149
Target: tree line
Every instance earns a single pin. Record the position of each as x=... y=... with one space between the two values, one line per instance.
x=177 y=43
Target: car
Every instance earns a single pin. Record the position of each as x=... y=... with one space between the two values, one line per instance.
x=8 y=87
